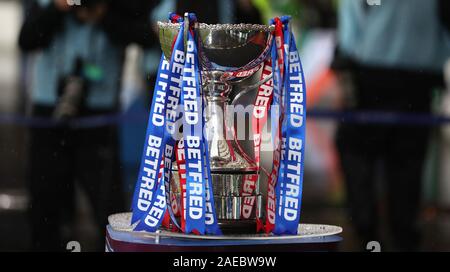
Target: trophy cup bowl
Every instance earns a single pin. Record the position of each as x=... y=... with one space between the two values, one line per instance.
x=223 y=49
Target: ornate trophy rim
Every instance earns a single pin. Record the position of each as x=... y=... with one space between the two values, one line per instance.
x=234 y=27
x=234 y=40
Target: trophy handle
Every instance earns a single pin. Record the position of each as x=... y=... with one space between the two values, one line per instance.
x=245 y=155
x=247 y=89
x=242 y=92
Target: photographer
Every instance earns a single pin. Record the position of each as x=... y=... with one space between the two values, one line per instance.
x=77 y=73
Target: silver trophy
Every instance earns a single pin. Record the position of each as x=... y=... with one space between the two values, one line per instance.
x=224 y=49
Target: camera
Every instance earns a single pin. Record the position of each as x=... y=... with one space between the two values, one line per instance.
x=72 y=91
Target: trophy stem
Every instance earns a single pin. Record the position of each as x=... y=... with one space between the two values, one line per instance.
x=219 y=149
x=228 y=166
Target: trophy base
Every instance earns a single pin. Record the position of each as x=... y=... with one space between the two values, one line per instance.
x=120 y=237
x=121 y=222
x=227 y=190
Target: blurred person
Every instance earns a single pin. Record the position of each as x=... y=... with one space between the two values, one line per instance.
x=77 y=74
x=394 y=54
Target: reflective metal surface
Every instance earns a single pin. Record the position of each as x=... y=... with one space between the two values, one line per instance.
x=227 y=198
x=224 y=49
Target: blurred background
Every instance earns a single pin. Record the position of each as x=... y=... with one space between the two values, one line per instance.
x=378 y=135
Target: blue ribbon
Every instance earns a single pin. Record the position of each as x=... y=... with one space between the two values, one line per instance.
x=173 y=114
x=279 y=220
x=171 y=118
x=200 y=209
x=290 y=182
x=151 y=220
x=193 y=141
x=147 y=183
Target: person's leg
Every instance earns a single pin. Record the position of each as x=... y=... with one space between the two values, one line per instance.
x=49 y=187
x=405 y=164
x=358 y=165
x=359 y=146
x=99 y=175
